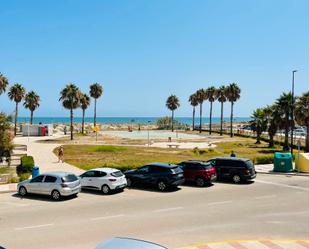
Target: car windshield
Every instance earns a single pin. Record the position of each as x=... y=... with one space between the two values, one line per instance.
x=69 y=178
x=206 y=165
x=117 y=174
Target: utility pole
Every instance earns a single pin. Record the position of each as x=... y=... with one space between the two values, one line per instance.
x=292 y=112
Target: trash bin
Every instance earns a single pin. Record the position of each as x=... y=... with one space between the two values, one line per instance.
x=35 y=171
x=283 y=162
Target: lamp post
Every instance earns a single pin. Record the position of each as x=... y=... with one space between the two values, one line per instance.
x=292 y=112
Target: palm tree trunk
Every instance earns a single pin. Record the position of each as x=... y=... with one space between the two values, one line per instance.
x=210 y=118
x=258 y=136
x=286 y=135
x=271 y=141
x=201 y=110
x=95 y=113
x=83 y=121
x=221 y=122
x=71 y=119
x=16 y=115
x=172 y=120
x=31 y=117
x=231 y=121
x=193 y=119
x=307 y=140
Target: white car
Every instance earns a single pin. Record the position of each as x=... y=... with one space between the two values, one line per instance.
x=104 y=179
x=55 y=184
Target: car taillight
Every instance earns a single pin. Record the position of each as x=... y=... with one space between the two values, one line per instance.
x=64 y=185
x=112 y=180
x=247 y=172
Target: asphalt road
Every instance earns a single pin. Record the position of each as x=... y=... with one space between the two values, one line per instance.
x=273 y=207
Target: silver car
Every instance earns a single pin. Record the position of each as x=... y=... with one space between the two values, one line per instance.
x=55 y=184
x=117 y=243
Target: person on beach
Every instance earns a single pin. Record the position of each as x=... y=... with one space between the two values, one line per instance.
x=233 y=154
x=65 y=130
x=60 y=154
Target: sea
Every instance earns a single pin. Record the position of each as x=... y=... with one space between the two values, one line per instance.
x=125 y=120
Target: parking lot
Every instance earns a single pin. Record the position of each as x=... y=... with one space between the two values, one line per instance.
x=273 y=207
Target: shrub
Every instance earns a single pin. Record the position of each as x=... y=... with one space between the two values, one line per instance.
x=24 y=176
x=264 y=159
x=26 y=165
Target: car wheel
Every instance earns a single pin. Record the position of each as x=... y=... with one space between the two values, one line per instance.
x=200 y=182
x=236 y=178
x=56 y=195
x=105 y=189
x=22 y=191
x=161 y=185
x=129 y=182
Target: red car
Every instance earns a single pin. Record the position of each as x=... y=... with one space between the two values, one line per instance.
x=200 y=172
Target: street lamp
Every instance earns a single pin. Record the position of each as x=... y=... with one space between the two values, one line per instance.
x=292 y=111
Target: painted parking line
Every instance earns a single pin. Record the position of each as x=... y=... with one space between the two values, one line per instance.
x=107 y=217
x=265 y=197
x=282 y=185
x=33 y=227
x=219 y=203
x=271 y=245
x=167 y=209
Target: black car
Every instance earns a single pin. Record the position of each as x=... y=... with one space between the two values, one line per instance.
x=160 y=175
x=236 y=169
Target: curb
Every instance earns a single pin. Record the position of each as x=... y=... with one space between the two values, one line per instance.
x=282 y=174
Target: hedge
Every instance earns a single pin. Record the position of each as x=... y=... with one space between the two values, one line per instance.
x=27 y=162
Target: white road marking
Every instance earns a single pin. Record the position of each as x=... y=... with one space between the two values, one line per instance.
x=167 y=209
x=265 y=197
x=219 y=203
x=108 y=217
x=282 y=185
x=32 y=227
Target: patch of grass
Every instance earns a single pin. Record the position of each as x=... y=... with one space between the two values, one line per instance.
x=91 y=156
x=5 y=170
x=105 y=148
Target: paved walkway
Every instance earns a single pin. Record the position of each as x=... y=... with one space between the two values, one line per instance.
x=254 y=244
x=44 y=156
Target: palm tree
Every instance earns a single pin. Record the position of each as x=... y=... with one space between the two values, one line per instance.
x=302 y=114
x=273 y=122
x=70 y=97
x=32 y=102
x=16 y=94
x=84 y=104
x=96 y=91
x=232 y=95
x=201 y=96
x=211 y=95
x=3 y=83
x=193 y=101
x=284 y=103
x=172 y=103
x=258 y=123
x=221 y=96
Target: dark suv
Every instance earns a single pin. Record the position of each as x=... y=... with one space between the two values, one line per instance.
x=236 y=169
x=200 y=172
x=160 y=175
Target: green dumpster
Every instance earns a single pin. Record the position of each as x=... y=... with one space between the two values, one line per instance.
x=283 y=162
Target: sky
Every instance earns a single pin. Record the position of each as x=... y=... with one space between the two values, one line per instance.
x=142 y=51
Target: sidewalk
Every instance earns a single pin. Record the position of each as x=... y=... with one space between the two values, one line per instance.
x=268 y=169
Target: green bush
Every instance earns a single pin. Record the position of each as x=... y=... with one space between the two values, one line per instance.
x=24 y=176
x=264 y=159
x=26 y=165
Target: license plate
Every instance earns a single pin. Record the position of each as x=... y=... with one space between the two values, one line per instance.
x=180 y=175
x=213 y=177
